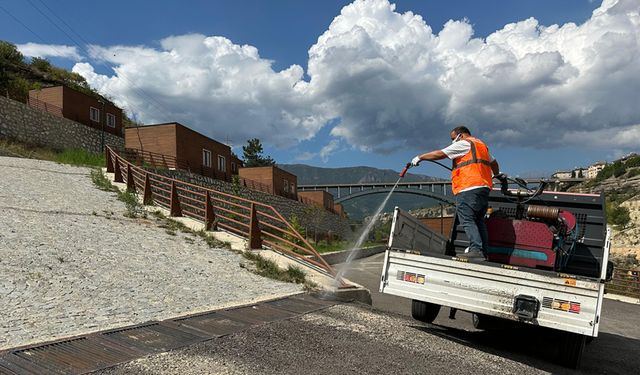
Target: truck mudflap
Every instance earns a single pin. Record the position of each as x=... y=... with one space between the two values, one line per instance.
x=545 y=298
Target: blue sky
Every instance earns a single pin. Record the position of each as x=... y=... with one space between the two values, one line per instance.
x=354 y=126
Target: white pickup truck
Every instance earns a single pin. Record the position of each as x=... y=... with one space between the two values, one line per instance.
x=548 y=261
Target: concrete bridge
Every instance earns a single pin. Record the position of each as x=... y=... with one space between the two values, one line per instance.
x=439 y=190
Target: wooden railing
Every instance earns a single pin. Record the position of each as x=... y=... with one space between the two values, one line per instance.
x=625 y=282
x=44 y=106
x=255 y=185
x=256 y=221
x=140 y=158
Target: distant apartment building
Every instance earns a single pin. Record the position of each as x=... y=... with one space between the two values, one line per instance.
x=74 y=105
x=595 y=168
x=561 y=175
x=200 y=153
x=272 y=180
x=579 y=172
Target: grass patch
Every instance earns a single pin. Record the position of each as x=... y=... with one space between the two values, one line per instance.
x=172 y=226
x=213 y=243
x=77 y=157
x=80 y=157
x=24 y=151
x=268 y=268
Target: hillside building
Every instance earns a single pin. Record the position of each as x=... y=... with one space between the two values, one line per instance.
x=77 y=106
x=272 y=180
x=595 y=168
x=318 y=198
x=201 y=154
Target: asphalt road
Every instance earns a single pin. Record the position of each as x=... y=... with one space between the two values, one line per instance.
x=615 y=350
x=383 y=339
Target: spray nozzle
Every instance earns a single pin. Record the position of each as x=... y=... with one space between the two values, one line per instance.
x=406 y=168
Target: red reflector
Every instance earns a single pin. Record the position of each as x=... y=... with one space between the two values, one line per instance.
x=574 y=308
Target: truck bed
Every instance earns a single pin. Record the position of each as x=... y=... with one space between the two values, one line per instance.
x=419 y=265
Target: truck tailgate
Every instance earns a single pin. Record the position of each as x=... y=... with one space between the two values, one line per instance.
x=566 y=302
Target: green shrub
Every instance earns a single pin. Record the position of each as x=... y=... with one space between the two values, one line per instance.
x=618 y=169
x=134 y=208
x=101 y=181
x=617 y=215
x=295 y=223
x=268 y=268
x=634 y=172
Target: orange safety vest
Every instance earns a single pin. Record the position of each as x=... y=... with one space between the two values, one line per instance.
x=473 y=168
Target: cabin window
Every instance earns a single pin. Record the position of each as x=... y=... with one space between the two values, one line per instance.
x=111 y=120
x=206 y=157
x=94 y=114
x=222 y=163
x=286 y=186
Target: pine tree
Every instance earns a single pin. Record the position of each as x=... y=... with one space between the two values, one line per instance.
x=252 y=155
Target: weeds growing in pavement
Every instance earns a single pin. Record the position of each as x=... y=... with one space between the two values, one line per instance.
x=101 y=181
x=134 y=207
x=268 y=268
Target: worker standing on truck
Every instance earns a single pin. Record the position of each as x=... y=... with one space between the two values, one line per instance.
x=471 y=182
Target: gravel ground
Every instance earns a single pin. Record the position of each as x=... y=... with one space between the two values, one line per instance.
x=340 y=340
x=71 y=263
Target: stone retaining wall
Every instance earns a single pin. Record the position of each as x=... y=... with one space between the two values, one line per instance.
x=21 y=123
x=311 y=218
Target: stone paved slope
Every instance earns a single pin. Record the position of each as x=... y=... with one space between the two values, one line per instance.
x=71 y=263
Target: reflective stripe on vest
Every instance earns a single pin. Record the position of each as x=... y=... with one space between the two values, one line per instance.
x=472 y=169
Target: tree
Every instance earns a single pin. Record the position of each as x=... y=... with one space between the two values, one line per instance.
x=252 y=153
x=618 y=169
x=41 y=64
x=9 y=53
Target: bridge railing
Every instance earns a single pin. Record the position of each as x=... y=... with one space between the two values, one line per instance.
x=259 y=223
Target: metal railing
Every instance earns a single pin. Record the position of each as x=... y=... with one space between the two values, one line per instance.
x=258 y=222
x=625 y=282
x=140 y=158
x=44 y=106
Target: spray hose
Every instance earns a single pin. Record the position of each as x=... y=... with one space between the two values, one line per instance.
x=406 y=167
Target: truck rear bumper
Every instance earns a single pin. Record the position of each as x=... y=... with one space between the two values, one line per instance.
x=565 y=303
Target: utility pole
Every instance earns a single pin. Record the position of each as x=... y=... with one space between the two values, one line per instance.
x=101 y=125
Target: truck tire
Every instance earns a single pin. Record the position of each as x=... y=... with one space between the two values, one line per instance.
x=571 y=348
x=481 y=321
x=424 y=311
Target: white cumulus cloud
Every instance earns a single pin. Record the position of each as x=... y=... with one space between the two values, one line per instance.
x=395 y=83
x=49 y=50
x=212 y=85
x=388 y=81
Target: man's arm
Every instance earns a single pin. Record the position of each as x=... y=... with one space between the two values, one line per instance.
x=495 y=168
x=433 y=155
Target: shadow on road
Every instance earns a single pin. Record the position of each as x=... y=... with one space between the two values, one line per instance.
x=538 y=347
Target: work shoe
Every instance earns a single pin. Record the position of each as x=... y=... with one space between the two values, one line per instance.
x=472 y=254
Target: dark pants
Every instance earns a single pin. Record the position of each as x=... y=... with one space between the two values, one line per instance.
x=471 y=206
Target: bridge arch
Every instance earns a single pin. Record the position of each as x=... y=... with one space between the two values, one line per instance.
x=426 y=193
